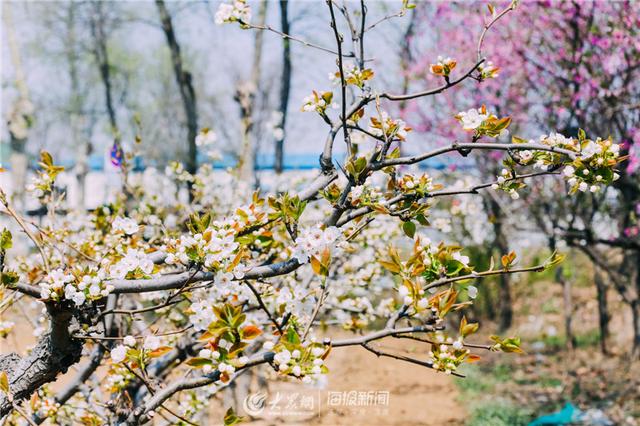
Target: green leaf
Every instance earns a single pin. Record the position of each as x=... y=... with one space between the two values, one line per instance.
x=409 y=229
x=9 y=278
x=553 y=260
x=231 y=418
x=581 y=135
x=6 y=240
x=198 y=362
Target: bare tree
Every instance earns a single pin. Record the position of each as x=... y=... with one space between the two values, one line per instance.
x=21 y=115
x=285 y=86
x=184 y=80
x=245 y=96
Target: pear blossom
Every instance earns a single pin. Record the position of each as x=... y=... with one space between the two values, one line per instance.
x=151 y=343
x=313 y=241
x=129 y=341
x=133 y=260
x=472 y=291
x=126 y=225
x=206 y=137
x=238 y=10
x=472 y=119
x=118 y=354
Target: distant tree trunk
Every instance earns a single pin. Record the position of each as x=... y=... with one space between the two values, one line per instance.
x=567 y=304
x=102 y=59
x=635 y=311
x=185 y=86
x=21 y=115
x=567 y=307
x=285 y=85
x=505 y=308
x=245 y=97
x=76 y=119
x=406 y=59
x=603 y=311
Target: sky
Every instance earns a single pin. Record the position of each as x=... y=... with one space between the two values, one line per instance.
x=218 y=57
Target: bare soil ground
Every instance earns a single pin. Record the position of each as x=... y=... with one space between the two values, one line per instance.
x=416 y=395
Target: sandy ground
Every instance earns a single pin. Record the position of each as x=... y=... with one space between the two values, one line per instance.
x=416 y=395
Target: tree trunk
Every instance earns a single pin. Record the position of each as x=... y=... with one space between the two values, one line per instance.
x=185 y=86
x=567 y=303
x=505 y=307
x=567 y=306
x=102 y=58
x=285 y=87
x=603 y=311
x=406 y=59
x=53 y=354
x=245 y=96
x=20 y=116
x=635 y=312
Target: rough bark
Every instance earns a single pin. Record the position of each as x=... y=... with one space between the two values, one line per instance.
x=53 y=354
x=285 y=87
x=185 y=86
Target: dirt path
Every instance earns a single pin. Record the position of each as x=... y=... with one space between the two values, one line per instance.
x=364 y=390
x=416 y=395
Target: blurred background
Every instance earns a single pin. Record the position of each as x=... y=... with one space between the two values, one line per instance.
x=97 y=83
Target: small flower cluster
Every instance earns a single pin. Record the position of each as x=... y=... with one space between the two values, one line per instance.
x=352 y=75
x=126 y=225
x=508 y=184
x=430 y=262
x=42 y=183
x=473 y=118
x=483 y=123
x=387 y=128
x=594 y=167
x=228 y=368
x=203 y=311
x=318 y=102
x=206 y=137
x=135 y=264
x=488 y=70
x=176 y=170
x=215 y=248
x=237 y=11
x=364 y=195
x=591 y=168
x=77 y=287
x=421 y=186
x=313 y=241
x=46 y=407
x=447 y=354
x=443 y=67
x=227 y=336
x=303 y=360
x=205 y=140
x=151 y=347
